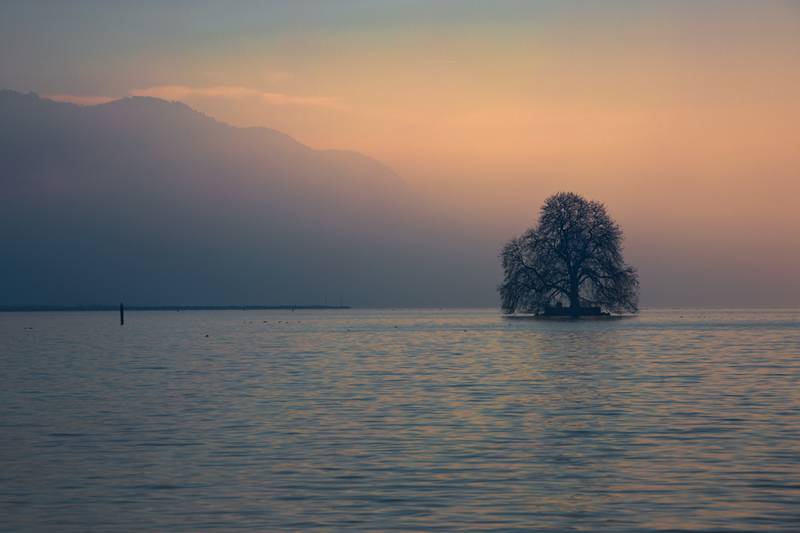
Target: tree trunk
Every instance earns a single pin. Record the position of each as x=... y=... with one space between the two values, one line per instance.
x=574 y=297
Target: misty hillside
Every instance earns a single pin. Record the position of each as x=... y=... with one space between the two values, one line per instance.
x=149 y=201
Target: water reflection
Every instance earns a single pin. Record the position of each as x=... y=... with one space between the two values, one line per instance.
x=378 y=420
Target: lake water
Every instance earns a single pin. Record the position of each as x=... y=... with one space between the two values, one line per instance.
x=405 y=420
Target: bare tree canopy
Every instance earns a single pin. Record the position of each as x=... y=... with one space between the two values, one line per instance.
x=569 y=263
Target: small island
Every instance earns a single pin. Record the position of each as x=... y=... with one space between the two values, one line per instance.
x=569 y=265
x=559 y=310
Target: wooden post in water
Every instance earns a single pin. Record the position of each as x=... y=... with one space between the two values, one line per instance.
x=121 y=314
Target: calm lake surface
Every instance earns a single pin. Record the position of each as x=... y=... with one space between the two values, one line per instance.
x=359 y=420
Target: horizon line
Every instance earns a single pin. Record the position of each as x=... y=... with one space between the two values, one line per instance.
x=94 y=307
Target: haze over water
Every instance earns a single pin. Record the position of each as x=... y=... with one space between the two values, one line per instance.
x=399 y=420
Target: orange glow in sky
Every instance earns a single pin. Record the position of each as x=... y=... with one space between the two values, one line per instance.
x=683 y=117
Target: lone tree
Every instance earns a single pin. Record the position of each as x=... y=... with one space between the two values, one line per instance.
x=570 y=263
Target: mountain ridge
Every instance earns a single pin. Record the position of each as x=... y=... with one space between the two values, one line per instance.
x=152 y=202
x=174 y=105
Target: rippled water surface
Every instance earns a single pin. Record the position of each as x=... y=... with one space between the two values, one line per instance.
x=399 y=420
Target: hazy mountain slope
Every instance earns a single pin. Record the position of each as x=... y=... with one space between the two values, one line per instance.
x=155 y=203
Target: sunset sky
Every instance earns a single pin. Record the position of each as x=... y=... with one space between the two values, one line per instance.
x=683 y=117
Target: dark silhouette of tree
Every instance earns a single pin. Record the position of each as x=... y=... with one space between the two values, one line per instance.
x=572 y=258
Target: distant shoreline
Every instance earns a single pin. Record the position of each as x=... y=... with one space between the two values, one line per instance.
x=41 y=308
